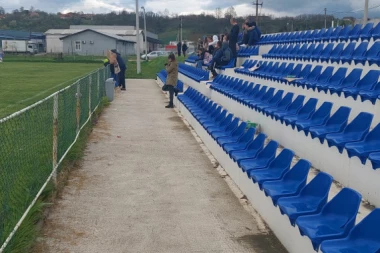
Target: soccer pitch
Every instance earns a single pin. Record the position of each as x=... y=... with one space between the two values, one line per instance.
x=24 y=83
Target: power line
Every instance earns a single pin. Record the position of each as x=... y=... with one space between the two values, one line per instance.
x=358 y=10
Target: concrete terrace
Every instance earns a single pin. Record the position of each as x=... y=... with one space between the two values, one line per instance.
x=146 y=185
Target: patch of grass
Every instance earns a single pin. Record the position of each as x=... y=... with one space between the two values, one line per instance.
x=29 y=230
x=24 y=83
x=149 y=69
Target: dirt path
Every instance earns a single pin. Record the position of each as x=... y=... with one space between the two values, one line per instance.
x=146 y=186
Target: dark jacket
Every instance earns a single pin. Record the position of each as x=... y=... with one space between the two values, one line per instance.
x=227 y=52
x=172 y=70
x=234 y=34
x=218 y=54
x=121 y=63
x=184 y=47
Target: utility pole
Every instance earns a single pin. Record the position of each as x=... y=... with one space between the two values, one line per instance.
x=146 y=42
x=325 y=18
x=365 y=18
x=257 y=11
x=138 y=38
x=181 y=31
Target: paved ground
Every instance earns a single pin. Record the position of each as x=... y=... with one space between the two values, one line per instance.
x=146 y=186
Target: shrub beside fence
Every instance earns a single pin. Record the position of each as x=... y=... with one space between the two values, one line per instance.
x=35 y=140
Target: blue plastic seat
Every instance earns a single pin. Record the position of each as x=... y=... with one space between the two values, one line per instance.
x=307 y=55
x=232 y=137
x=365 y=33
x=275 y=100
x=326 y=52
x=323 y=78
x=285 y=72
x=304 y=113
x=326 y=35
x=363 y=238
x=272 y=69
x=252 y=150
x=355 y=32
x=335 y=124
x=302 y=74
x=316 y=54
x=335 y=220
x=275 y=170
x=373 y=54
x=371 y=95
x=355 y=131
x=335 y=80
x=271 y=51
x=335 y=54
x=344 y=33
x=263 y=158
x=313 y=76
x=309 y=201
x=290 y=185
x=292 y=52
x=298 y=55
x=258 y=96
x=293 y=109
x=350 y=81
x=346 y=55
x=280 y=69
x=222 y=130
x=295 y=72
x=375 y=160
x=375 y=33
x=362 y=149
x=282 y=105
x=319 y=118
x=368 y=82
x=305 y=36
x=311 y=37
x=359 y=54
x=334 y=35
x=242 y=143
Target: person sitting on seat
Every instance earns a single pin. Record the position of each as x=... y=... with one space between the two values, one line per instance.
x=222 y=57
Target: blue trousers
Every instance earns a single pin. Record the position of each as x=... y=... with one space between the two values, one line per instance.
x=116 y=79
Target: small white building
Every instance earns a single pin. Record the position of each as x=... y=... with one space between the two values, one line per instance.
x=54 y=44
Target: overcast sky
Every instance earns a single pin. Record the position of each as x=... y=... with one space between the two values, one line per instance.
x=339 y=8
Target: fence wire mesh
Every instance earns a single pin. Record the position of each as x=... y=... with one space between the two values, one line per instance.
x=31 y=145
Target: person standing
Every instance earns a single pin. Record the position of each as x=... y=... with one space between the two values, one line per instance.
x=172 y=79
x=184 y=48
x=234 y=34
x=112 y=71
x=123 y=68
x=179 y=48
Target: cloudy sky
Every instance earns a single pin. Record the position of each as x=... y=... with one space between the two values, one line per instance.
x=339 y=8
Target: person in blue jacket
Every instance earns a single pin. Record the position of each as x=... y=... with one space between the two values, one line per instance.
x=123 y=68
x=222 y=57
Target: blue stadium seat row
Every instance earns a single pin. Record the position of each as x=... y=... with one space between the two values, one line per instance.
x=355 y=136
x=163 y=75
x=348 y=33
x=328 y=53
x=305 y=76
x=193 y=73
x=248 y=51
x=192 y=59
x=330 y=224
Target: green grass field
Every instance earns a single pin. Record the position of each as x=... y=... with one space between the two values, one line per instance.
x=24 y=83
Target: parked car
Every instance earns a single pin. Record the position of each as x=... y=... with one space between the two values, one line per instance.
x=155 y=54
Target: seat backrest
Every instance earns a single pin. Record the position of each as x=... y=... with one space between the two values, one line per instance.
x=318 y=187
x=360 y=124
x=337 y=51
x=328 y=49
x=376 y=30
x=261 y=92
x=327 y=32
x=309 y=107
x=369 y=80
x=310 y=49
x=315 y=73
x=323 y=111
x=355 y=30
x=258 y=142
x=286 y=101
x=352 y=78
x=305 y=71
x=361 y=49
x=248 y=136
x=366 y=29
x=336 y=32
x=340 y=117
x=283 y=160
x=338 y=76
x=318 y=49
x=374 y=135
x=345 y=30
x=374 y=50
x=349 y=49
x=277 y=97
x=295 y=49
x=269 y=150
x=346 y=203
x=288 y=69
x=233 y=125
x=297 y=103
x=240 y=130
x=368 y=228
x=268 y=95
x=299 y=172
x=296 y=70
x=326 y=74
x=302 y=49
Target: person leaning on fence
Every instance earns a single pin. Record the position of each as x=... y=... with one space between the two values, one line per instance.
x=123 y=68
x=172 y=79
x=112 y=70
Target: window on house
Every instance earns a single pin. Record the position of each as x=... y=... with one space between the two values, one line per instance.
x=78 y=46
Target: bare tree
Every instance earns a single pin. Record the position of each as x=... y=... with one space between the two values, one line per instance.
x=230 y=12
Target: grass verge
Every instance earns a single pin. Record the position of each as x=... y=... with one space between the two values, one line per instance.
x=28 y=232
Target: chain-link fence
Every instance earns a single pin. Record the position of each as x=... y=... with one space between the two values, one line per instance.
x=35 y=140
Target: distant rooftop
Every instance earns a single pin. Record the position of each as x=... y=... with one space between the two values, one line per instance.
x=20 y=35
